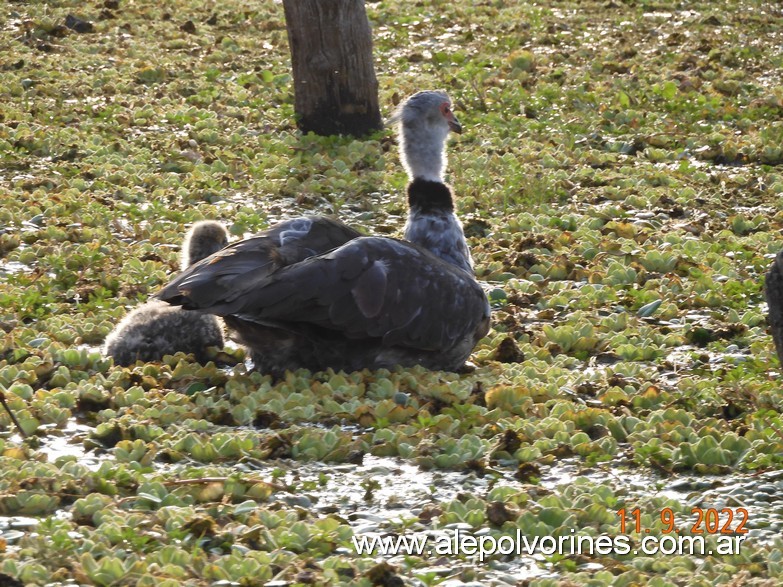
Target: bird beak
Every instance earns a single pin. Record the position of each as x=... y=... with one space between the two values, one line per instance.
x=454 y=125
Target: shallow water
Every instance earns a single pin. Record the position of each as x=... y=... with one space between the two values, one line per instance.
x=68 y=442
x=13 y=267
x=386 y=496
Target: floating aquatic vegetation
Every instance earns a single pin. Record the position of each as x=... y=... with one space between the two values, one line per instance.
x=621 y=200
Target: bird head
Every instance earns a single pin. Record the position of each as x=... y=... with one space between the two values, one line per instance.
x=205 y=238
x=424 y=121
x=430 y=108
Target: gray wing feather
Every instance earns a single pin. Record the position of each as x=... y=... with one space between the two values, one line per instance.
x=373 y=288
x=219 y=283
x=369 y=290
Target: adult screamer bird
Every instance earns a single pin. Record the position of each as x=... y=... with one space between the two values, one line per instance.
x=312 y=292
x=155 y=328
x=773 y=289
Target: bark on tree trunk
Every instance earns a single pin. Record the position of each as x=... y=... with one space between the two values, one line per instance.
x=335 y=88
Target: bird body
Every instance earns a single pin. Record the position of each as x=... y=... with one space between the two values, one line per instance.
x=312 y=292
x=156 y=329
x=372 y=302
x=773 y=289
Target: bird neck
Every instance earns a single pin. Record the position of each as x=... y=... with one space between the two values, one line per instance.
x=427 y=197
x=433 y=225
x=424 y=152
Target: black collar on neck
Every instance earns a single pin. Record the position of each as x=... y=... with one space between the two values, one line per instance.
x=425 y=195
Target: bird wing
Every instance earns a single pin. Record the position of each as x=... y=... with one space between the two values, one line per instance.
x=216 y=283
x=372 y=288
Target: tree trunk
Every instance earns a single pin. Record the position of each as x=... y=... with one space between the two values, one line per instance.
x=335 y=89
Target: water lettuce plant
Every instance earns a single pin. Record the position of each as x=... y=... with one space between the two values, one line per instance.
x=619 y=177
